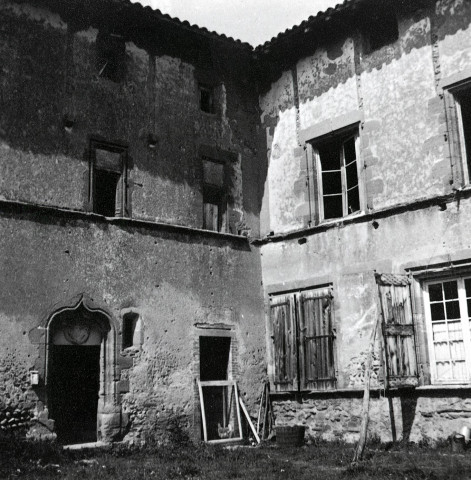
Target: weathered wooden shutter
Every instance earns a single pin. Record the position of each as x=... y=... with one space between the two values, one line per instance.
x=284 y=342
x=398 y=329
x=316 y=340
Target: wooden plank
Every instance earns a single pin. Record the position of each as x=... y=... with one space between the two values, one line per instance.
x=217 y=383
x=246 y=413
x=203 y=414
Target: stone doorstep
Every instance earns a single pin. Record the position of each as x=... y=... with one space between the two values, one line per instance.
x=80 y=446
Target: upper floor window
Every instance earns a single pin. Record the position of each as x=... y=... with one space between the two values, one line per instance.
x=206 y=97
x=214 y=195
x=338 y=176
x=111 y=55
x=108 y=194
x=448 y=315
x=462 y=97
x=303 y=336
x=381 y=29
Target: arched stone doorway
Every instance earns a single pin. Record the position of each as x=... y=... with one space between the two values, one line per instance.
x=81 y=391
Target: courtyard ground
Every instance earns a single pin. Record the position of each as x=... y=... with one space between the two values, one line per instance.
x=19 y=459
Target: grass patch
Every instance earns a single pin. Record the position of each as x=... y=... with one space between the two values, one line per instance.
x=183 y=460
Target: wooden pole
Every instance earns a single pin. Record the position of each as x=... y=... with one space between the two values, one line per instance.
x=358 y=455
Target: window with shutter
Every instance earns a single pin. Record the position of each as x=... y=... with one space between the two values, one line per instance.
x=303 y=340
x=316 y=340
x=398 y=329
x=282 y=313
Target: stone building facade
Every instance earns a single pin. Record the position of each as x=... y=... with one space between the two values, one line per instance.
x=177 y=206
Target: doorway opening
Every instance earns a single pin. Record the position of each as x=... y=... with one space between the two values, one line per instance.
x=218 y=395
x=76 y=340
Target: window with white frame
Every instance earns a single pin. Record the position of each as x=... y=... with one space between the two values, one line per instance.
x=337 y=165
x=447 y=313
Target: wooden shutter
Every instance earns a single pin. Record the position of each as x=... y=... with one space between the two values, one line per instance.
x=316 y=340
x=283 y=322
x=398 y=329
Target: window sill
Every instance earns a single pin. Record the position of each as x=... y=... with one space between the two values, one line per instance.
x=448 y=386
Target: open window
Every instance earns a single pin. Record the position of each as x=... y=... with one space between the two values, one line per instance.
x=398 y=329
x=108 y=194
x=303 y=335
x=447 y=314
x=214 y=196
x=337 y=165
x=111 y=56
x=460 y=125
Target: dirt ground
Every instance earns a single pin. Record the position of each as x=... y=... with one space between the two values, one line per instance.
x=318 y=461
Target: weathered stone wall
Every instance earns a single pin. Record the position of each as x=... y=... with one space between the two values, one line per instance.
x=52 y=101
x=412 y=417
x=173 y=279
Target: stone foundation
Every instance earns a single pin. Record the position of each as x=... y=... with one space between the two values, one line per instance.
x=411 y=416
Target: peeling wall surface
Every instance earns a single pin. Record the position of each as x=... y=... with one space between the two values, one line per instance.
x=415 y=211
x=158 y=263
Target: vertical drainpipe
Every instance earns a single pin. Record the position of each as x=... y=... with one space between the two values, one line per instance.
x=294 y=74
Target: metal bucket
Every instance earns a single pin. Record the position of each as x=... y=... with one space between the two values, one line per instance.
x=457 y=443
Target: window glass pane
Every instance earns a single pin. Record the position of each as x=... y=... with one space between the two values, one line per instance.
x=352 y=175
x=452 y=309
x=331 y=183
x=469 y=307
x=435 y=292
x=349 y=150
x=437 y=311
x=467 y=286
x=330 y=156
x=353 y=200
x=333 y=206
x=450 y=289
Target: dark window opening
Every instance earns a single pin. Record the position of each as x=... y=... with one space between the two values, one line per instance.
x=108 y=180
x=214 y=196
x=463 y=98
x=213 y=213
x=382 y=30
x=206 y=99
x=106 y=184
x=132 y=336
x=111 y=55
x=214 y=358
x=339 y=185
